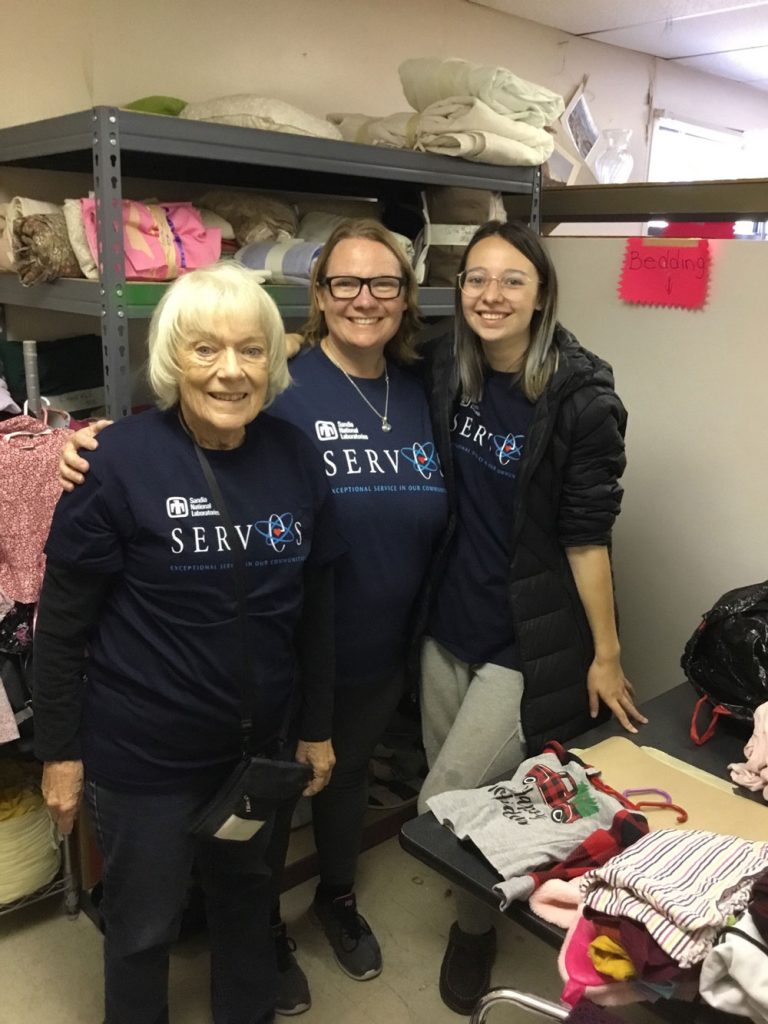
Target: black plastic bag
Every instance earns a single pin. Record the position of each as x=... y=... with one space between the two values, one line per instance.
x=726 y=659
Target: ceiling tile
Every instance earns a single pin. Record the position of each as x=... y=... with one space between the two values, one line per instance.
x=590 y=16
x=689 y=37
x=744 y=65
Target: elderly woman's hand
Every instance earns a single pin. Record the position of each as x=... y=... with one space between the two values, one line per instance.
x=62 y=790
x=321 y=758
x=72 y=468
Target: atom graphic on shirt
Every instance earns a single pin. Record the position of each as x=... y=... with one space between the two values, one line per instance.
x=509 y=448
x=422 y=458
x=277 y=530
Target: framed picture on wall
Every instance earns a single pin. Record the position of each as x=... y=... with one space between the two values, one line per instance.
x=562 y=168
x=579 y=123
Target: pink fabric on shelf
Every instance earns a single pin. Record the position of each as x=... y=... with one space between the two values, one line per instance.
x=753 y=774
x=161 y=240
x=29 y=490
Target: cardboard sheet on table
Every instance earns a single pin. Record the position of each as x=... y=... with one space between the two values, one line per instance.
x=626 y=766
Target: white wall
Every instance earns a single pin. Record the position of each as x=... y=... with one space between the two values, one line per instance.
x=324 y=55
x=693 y=523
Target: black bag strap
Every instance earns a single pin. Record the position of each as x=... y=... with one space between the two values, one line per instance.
x=238 y=561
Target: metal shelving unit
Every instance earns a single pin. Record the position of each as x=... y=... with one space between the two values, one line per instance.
x=743 y=199
x=66 y=884
x=111 y=144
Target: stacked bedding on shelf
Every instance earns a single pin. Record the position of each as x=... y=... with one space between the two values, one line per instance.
x=43 y=242
x=487 y=115
x=265 y=232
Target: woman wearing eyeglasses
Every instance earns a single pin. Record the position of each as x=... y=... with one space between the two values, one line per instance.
x=522 y=644
x=356 y=398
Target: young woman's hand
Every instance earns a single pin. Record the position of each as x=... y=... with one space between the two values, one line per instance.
x=293 y=343
x=72 y=468
x=320 y=757
x=606 y=682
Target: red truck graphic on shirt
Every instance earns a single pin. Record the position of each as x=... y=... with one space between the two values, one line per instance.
x=557 y=790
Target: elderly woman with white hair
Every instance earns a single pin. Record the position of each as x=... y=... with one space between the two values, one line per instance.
x=139 y=639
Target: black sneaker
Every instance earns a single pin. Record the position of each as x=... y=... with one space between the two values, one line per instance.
x=292 y=986
x=354 y=945
x=465 y=973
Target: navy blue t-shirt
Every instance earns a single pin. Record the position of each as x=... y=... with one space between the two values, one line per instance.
x=390 y=502
x=162 y=697
x=471 y=616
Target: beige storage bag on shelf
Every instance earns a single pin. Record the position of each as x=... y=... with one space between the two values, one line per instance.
x=29 y=847
x=17 y=207
x=451 y=217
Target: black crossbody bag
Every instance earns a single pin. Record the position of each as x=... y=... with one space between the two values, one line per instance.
x=259 y=785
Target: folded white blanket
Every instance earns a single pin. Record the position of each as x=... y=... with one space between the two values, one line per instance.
x=460 y=126
x=426 y=80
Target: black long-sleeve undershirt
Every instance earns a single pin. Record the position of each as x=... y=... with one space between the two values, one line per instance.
x=70 y=604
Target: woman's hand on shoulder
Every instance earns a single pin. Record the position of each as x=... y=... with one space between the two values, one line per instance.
x=62 y=791
x=72 y=467
x=320 y=757
x=606 y=682
x=293 y=344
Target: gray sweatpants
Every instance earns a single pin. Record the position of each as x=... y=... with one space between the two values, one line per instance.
x=470 y=720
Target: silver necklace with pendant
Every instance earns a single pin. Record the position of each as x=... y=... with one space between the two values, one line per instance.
x=385 y=424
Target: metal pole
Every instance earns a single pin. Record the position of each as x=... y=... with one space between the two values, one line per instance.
x=32 y=379
x=523 y=999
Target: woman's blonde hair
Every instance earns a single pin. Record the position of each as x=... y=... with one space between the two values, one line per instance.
x=192 y=305
x=401 y=347
x=540 y=359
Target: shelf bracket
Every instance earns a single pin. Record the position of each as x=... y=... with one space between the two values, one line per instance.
x=107 y=179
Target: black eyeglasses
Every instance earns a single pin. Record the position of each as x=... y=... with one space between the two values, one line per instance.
x=346 y=286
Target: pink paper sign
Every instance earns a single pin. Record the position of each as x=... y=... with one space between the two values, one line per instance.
x=657 y=273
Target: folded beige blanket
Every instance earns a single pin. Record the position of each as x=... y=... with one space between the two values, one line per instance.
x=263 y=112
x=426 y=80
x=468 y=127
x=462 y=126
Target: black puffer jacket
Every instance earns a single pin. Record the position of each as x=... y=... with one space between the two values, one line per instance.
x=567 y=495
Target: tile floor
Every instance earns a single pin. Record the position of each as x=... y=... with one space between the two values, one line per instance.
x=50 y=968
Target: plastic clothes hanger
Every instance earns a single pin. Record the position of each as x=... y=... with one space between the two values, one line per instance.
x=666 y=802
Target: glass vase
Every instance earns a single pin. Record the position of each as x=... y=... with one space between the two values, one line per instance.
x=614 y=164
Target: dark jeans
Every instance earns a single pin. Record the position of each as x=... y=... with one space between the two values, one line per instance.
x=361 y=715
x=148 y=854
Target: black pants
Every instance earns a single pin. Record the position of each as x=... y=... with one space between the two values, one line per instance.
x=148 y=854
x=361 y=715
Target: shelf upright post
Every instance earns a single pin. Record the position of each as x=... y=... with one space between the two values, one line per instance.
x=107 y=182
x=535 y=220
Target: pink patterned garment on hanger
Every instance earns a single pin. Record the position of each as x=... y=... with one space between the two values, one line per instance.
x=29 y=490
